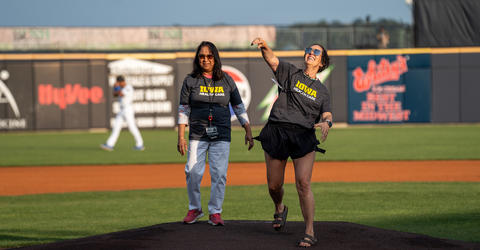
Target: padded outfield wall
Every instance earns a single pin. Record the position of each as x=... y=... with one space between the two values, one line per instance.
x=74 y=91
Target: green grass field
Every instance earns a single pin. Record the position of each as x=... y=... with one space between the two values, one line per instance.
x=424 y=142
x=446 y=210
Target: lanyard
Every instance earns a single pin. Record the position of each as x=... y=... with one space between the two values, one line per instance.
x=210 y=99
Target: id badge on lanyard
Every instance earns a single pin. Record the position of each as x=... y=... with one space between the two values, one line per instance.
x=212 y=132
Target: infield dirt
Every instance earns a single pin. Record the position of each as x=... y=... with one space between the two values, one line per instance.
x=63 y=179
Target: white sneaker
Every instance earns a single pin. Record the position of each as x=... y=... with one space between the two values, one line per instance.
x=106 y=147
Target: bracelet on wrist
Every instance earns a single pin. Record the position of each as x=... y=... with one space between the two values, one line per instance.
x=329 y=123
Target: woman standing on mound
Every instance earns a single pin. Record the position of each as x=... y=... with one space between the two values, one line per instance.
x=204 y=106
x=303 y=104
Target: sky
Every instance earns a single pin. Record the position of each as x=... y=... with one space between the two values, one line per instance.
x=195 y=12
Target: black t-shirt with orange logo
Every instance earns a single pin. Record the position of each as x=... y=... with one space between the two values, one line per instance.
x=301 y=100
x=203 y=93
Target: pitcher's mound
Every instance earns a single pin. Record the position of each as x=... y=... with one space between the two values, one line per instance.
x=256 y=235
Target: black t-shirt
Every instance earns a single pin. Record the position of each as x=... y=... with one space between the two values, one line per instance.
x=301 y=100
x=203 y=94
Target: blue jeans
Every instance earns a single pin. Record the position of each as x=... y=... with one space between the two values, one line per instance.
x=218 y=153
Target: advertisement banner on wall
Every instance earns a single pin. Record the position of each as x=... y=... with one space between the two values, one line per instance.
x=65 y=96
x=154 y=91
x=131 y=38
x=243 y=86
x=389 y=88
x=11 y=116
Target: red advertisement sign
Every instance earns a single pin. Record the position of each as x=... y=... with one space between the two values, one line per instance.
x=68 y=95
x=384 y=71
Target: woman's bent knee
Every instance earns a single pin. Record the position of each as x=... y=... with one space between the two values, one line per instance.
x=275 y=188
x=303 y=187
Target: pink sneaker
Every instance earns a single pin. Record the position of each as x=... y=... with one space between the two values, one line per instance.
x=215 y=220
x=193 y=216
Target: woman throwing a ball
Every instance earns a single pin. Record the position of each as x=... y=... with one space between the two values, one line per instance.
x=303 y=105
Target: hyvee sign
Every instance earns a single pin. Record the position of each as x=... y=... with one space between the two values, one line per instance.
x=69 y=94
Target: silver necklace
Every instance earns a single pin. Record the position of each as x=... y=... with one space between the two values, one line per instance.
x=305 y=74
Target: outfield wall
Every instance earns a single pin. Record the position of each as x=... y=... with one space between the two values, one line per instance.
x=73 y=91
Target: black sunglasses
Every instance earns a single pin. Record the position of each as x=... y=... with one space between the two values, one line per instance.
x=209 y=56
x=316 y=52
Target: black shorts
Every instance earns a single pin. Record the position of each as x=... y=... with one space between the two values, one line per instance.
x=281 y=140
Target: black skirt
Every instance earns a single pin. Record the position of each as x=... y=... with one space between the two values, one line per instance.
x=281 y=140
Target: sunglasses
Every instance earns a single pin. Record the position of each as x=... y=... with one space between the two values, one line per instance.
x=316 y=52
x=209 y=56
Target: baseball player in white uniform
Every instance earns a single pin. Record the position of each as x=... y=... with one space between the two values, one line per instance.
x=124 y=93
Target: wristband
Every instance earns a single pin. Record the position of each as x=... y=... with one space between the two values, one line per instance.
x=329 y=123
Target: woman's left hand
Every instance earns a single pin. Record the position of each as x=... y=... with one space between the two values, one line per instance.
x=249 y=140
x=324 y=127
x=248 y=136
x=182 y=146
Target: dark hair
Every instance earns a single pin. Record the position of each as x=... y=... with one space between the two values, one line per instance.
x=325 y=60
x=120 y=78
x=217 y=66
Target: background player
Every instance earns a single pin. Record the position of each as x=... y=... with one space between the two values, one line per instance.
x=124 y=93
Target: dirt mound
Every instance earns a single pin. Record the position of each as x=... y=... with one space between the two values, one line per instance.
x=256 y=235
